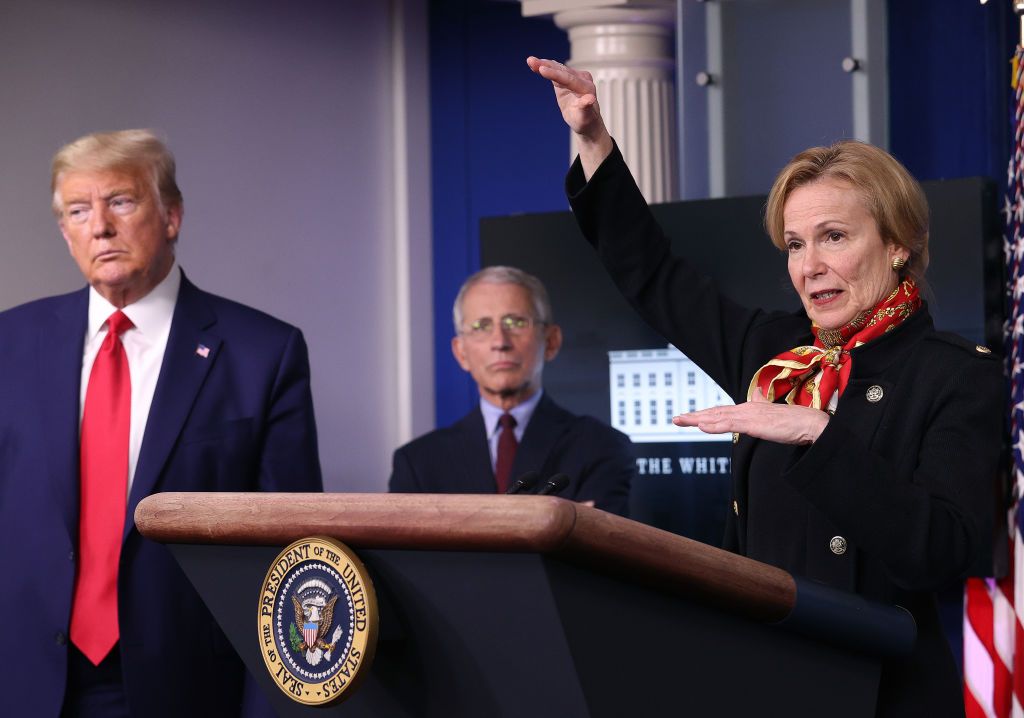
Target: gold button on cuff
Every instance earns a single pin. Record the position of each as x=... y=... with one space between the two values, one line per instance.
x=837 y=545
x=983 y=350
x=735 y=508
x=874 y=393
x=735 y=437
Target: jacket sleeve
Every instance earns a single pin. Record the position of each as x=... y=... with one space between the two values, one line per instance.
x=403 y=476
x=610 y=471
x=686 y=307
x=290 y=458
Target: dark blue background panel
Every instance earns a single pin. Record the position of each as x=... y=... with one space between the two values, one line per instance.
x=498 y=147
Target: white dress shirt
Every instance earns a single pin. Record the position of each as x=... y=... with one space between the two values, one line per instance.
x=144 y=344
x=492 y=413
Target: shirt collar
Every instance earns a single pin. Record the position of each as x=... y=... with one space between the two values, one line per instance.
x=521 y=412
x=151 y=315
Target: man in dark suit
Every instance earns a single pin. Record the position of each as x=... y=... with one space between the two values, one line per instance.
x=504 y=333
x=138 y=383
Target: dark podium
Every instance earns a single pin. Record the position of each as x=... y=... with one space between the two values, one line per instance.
x=536 y=606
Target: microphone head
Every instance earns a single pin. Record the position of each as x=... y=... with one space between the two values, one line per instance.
x=524 y=483
x=554 y=485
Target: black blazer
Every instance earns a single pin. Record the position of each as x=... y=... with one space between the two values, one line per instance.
x=455 y=460
x=906 y=480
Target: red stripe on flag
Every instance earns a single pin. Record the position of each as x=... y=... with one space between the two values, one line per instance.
x=971 y=706
x=1017 y=678
x=980 y=613
x=980 y=616
x=1008 y=679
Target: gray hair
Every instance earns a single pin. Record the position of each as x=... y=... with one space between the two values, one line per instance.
x=139 y=150
x=499 y=274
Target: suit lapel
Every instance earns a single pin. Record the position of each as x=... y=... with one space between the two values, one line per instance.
x=59 y=354
x=546 y=425
x=471 y=452
x=182 y=373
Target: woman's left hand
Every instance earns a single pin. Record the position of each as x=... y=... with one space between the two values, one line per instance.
x=781 y=423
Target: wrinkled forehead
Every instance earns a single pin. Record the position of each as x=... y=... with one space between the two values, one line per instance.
x=80 y=183
x=824 y=196
x=495 y=300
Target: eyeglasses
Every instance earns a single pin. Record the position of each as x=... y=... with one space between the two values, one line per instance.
x=514 y=324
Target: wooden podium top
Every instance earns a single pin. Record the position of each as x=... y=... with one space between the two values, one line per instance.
x=453 y=522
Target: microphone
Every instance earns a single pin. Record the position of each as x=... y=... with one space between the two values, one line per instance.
x=524 y=483
x=554 y=485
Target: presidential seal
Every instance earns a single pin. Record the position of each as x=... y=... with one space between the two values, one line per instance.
x=317 y=621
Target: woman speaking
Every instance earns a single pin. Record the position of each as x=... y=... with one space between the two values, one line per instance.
x=866 y=442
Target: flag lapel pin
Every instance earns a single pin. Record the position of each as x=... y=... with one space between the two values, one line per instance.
x=203 y=351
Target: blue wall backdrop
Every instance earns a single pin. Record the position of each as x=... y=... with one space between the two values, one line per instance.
x=499 y=146
x=949 y=86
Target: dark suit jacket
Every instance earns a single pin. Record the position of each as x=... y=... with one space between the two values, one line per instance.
x=906 y=479
x=240 y=419
x=455 y=460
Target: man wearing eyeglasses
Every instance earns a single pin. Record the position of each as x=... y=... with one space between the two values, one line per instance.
x=504 y=333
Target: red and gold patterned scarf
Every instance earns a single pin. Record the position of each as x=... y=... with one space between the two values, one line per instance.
x=810 y=376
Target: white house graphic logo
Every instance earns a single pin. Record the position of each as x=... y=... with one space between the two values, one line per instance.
x=650 y=386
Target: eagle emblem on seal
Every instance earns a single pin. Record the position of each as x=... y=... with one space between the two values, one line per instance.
x=314 y=613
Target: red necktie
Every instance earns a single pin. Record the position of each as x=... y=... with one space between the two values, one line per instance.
x=106 y=422
x=507 y=446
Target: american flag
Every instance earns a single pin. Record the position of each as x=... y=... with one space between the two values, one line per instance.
x=994 y=608
x=309 y=633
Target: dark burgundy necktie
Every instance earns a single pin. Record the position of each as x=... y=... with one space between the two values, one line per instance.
x=106 y=423
x=507 y=446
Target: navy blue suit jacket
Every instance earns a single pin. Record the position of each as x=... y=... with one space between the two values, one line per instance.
x=456 y=460
x=239 y=419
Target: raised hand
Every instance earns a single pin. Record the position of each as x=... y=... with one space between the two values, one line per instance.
x=781 y=423
x=577 y=99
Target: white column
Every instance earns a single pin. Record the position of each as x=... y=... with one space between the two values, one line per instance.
x=412 y=280
x=870 y=82
x=629 y=49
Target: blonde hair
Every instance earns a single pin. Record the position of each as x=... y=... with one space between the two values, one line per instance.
x=892 y=196
x=137 y=150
